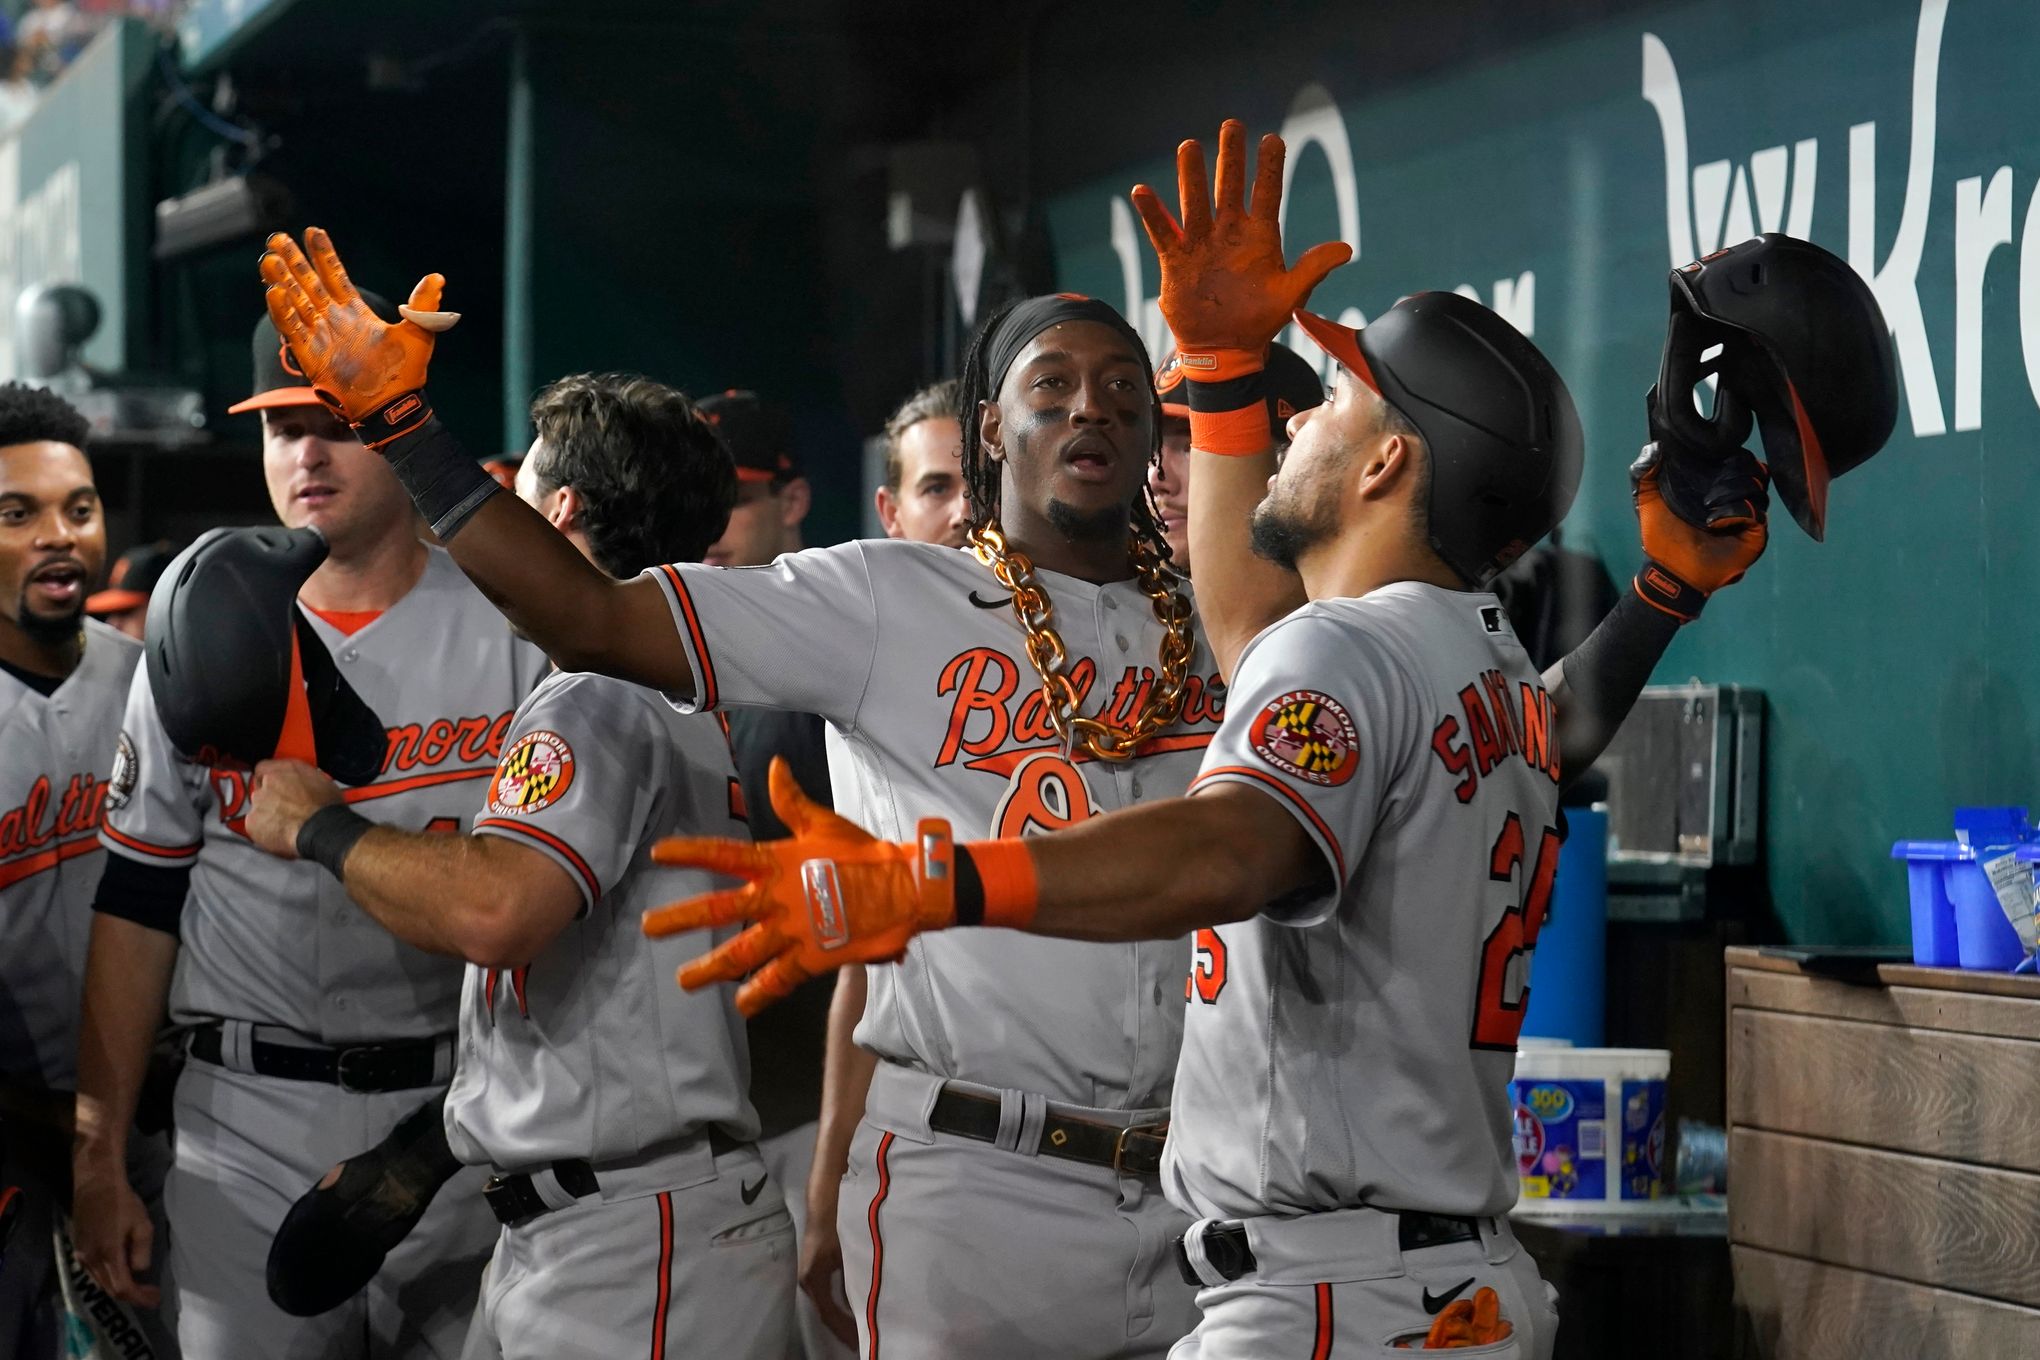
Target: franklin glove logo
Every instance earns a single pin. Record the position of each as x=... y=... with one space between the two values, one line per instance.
x=825 y=903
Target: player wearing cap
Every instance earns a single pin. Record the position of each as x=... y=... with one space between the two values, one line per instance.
x=124 y=604
x=1371 y=844
x=625 y=1175
x=1290 y=385
x=63 y=680
x=922 y=497
x=311 y=1030
x=1002 y=1191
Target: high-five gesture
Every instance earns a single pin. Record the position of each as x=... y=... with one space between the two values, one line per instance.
x=1224 y=285
x=367 y=369
x=831 y=894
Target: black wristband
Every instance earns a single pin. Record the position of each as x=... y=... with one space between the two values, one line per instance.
x=1233 y=394
x=1663 y=589
x=444 y=480
x=970 y=890
x=329 y=834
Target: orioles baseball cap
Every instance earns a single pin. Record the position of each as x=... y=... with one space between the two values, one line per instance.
x=759 y=437
x=1289 y=382
x=135 y=573
x=278 y=379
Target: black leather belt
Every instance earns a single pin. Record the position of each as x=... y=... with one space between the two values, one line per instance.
x=1225 y=1244
x=1135 y=1151
x=362 y=1068
x=515 y=1199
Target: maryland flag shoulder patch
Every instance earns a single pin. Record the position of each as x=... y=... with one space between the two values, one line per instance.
x=533 y=775
x=1308 y=736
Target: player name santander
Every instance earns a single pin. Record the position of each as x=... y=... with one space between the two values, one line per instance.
x=1498 y=725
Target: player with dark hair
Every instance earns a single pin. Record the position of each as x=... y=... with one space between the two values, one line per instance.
x=626 y=1178
x=63 y=679
x=633 y=462
x=922 y=495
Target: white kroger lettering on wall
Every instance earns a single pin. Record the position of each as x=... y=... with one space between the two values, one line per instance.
x=1720 y=203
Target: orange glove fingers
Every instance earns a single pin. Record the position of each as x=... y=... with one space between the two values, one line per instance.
x=284 y=315
x=295 y=266
x=1311 y=269
x=1193 y=191
x=803 y=816
x=775 y=983
x=279 y=278
x=1164 y=233
x=1232 y=168
x=726 y=907
x=734 y=960
x=292 y=272
x=721 y=854
x=326 y=261
x=1267 y=203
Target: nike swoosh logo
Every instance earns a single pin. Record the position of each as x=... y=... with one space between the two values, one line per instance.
x=988 y=604
x=1434 y=1302
x=750 y=1192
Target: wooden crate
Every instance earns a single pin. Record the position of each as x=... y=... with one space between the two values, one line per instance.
x=1884 y=1162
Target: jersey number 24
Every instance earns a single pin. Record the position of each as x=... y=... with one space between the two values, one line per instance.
x=1498 y=1015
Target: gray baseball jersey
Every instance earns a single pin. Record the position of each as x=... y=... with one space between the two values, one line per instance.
x=912 y=653
x=56 y=753
x=590 y=1050
x=1356 y=1049
x=277 y=941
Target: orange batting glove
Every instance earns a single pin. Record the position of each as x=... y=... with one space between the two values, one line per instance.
x=830 y=895
x=1467 y=1323
x=1684 y=563
x=368 y=370
x=1225 y=290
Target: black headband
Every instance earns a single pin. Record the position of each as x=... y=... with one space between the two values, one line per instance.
x=1028 y=319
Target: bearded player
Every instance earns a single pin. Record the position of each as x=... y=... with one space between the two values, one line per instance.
x=63 y=681
x=1002 y=1196
x=1373 y=835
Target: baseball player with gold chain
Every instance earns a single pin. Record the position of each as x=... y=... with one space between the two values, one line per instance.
x=917 y=657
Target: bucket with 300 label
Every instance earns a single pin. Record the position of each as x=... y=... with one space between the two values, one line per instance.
x=1590 y=1126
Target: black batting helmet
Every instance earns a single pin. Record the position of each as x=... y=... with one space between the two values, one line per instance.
x=1802 y=346
x=238 y=673
x=1503 y=437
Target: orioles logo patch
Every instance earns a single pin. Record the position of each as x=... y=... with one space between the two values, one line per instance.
x=126 y=772
x=533 y=775
x=1309 y=736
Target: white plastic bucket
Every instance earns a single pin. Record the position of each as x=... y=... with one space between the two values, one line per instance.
x=1590 y=1126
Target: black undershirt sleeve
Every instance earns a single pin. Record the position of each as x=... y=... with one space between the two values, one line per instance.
x=1603 y=676
x=150 y=895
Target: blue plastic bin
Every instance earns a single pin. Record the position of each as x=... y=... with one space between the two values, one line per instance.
x=1984 y=938
x=1933 y=915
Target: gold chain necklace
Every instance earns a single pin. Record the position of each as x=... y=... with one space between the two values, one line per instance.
x=1031 y=605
